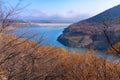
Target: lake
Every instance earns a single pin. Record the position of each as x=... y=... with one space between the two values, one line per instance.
x=49 y=35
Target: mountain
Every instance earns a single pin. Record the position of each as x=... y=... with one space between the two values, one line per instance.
x=89 y=33
x=113 y=13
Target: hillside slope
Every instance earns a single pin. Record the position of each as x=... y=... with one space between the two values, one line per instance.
x=33 y=62
x=89 y=33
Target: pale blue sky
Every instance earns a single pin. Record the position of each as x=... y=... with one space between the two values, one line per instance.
x=65 y=8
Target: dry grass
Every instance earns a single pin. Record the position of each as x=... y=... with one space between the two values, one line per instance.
x=50 y=63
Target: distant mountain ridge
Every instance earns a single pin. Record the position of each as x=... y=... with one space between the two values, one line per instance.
x=88 y=33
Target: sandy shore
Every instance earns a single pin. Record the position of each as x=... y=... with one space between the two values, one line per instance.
x=48 y=24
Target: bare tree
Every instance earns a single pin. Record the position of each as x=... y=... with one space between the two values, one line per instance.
x=107 y=25
x=19 y=58
x=11 y=46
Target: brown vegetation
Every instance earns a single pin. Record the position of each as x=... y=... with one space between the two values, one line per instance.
x=112 y=51
x=33 y=62
x=118 y=21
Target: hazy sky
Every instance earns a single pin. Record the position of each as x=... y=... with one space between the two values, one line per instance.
x=64 y=8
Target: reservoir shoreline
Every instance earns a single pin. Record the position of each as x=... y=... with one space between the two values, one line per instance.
x=47 y=24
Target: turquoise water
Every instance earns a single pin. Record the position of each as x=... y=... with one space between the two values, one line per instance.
x=48 y=34
x=49 y=37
